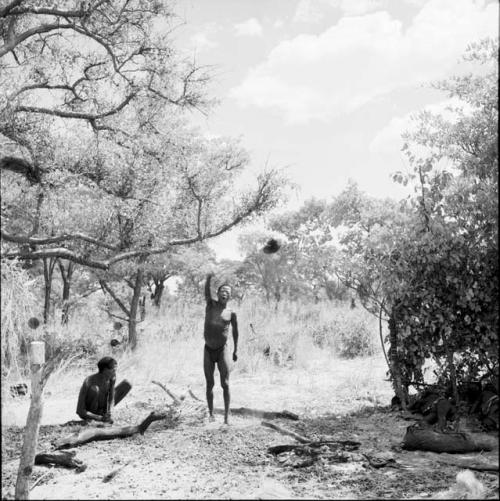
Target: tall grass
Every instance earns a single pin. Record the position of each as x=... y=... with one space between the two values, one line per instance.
x=18 y=304
x=170 y=340
x=291 y=336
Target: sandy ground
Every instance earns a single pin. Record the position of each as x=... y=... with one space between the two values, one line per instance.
x=194 y=459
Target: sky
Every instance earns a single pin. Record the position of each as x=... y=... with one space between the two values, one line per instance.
x=324 y=88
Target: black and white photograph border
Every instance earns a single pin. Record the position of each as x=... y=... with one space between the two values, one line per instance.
x=249 y=249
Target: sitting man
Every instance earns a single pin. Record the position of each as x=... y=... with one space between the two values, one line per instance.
x=486 y=406
x=98 y=393
x=435 y=408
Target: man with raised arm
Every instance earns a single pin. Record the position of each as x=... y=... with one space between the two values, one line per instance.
x=98 y=393
x=218 y=316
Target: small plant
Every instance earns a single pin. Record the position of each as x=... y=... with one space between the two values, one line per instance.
x=355 y=336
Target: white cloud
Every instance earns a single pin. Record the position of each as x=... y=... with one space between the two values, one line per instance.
x=365 y=57
x=358 y=7
x=388 y=140
x=313 y=11
x=251 y=27
x=307 y=11
x=203 y=40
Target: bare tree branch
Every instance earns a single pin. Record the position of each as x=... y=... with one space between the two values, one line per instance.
x=23 y=239
x=117 y=300
x=8 y=8
x=44 y=28
x=77 y=115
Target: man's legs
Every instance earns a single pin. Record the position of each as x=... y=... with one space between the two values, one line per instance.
x=209 y=368
x=121 y=391
x=224 y=368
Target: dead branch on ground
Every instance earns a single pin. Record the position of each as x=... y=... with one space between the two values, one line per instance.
x=92 y=434
x=284 y=431
x=66 y=459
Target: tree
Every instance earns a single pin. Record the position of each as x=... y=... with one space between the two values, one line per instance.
x=128 y=179
x=433 y=266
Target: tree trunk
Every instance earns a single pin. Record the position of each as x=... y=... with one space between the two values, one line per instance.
x=66 y=275
x=48 y=272
x=395 y=363
x=134 y=306
x=452 y=369
x=158 y=293
x=32 y=423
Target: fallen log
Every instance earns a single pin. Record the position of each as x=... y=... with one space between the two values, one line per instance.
x=66 y=459
x=247 y=411
x=244 y=411
x=475 y=463
x=426 y=439
x=284 y=431
x=109 y=433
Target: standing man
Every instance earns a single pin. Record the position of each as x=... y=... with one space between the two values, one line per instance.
x=98 y=393
x=218 y=316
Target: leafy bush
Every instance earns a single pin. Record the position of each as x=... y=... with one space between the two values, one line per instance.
x=354 y=336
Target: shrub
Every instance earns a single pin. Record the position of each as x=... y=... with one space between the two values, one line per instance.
x=355 y=336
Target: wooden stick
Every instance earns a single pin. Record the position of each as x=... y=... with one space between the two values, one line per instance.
x=111 y=475
x=170 y=394
x=194 y=396
x=246 y=411
x=40 y=478
x=284 y=431
x=311 y=446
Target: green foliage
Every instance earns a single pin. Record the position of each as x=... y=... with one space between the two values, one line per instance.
x=432 y=266
x=355 y=336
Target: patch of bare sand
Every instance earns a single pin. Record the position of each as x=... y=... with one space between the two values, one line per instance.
x=212 y=461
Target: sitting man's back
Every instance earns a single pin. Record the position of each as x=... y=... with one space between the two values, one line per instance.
x=98 y=393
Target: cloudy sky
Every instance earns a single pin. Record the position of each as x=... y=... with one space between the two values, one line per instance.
x=325 y=87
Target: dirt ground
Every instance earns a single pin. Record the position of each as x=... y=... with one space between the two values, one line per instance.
x=194 y=459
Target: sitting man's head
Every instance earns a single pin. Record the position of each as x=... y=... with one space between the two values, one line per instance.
x=107 y=367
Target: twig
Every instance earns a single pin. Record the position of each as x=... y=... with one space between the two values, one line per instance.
x=194 y=396
x=40 y=478
x=284 y=431
x=169 y=393
x=111 y=475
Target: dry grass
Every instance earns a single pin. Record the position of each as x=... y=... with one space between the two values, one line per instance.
x=18 y=305
x=305 y=344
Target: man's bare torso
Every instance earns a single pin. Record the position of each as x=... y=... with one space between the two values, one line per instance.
x=217 y=320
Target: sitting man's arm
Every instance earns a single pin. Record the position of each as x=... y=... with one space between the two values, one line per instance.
x=81 y=410
x=208 y=293
x=234 y=325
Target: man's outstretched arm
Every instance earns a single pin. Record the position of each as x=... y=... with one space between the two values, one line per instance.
x=208 y=293
x=234 y=325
